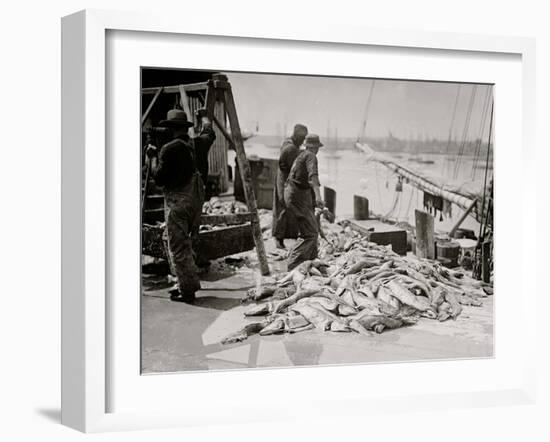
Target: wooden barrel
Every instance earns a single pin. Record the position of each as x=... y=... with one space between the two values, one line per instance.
x=448 y=251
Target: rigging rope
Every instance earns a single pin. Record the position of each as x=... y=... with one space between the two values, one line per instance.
x=452 y=125
x=482 y=124
x=367 y=109
x=378 y=185
x=465 y=131
x=394 y=205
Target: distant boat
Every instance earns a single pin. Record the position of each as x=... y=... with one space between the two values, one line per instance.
x=421 y=160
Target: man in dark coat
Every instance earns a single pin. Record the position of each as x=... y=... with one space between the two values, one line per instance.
x=283 y=225
x=180 y=168
x=301 y=188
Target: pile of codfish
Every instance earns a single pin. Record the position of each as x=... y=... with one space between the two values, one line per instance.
x=358 y=286
x=215 y=206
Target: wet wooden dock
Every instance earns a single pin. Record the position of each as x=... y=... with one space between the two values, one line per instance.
x=182 y=337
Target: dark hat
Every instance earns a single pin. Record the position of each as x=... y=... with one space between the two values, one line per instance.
x=312 y=140
x=176 y=118
x=300 y=129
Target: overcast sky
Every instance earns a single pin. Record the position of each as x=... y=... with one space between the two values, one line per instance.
x=406 y=108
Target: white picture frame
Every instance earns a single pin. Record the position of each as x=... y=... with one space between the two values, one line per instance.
x=85 y=307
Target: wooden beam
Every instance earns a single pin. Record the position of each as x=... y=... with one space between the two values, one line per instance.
x=146 y=186
x=184 y=100
x=175 y=89
x=246 y=174
x=150 y=107
x=420 y=182
x=462 y=218
x=224 y=132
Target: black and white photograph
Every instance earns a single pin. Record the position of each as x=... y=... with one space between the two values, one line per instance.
x=292 y=220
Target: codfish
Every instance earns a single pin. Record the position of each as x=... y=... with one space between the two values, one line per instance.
x=289 y=322
x=295 y=321
x=327 y=303
x=260 y=309
x=333 y=303
x=469 y=300
x=456 y=308
x=281 y=306
x=379 y=322
x=337 y=326
x=346 y=284
x=283 y=292
x=347 y=298
x=406 y=297
x=438 y=297
x=248 y=330
x=362 y=301
x=346 y=310
x=365 y=290
x=444 y=311
x=255 y=294
x=296 y=275
x=385 y=295
x=378 y=271
x=313 y=315
x=360 y=265
x=276 y=326
x=356 y=326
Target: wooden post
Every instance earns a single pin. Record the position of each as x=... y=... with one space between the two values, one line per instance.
x=330 y=199
x=485 y=258
x=220 y=81
x=425 y=245
x=210 y=100
x=212 y=116
x=360 y=208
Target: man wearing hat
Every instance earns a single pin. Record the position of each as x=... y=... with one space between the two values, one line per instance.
x=180 y=168
x=283 y=224
x=302 y=195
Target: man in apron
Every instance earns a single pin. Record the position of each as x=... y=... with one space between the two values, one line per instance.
x=283 y=226
x=302 y=195
x=177 y=168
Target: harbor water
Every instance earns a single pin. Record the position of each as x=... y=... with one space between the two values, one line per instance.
x=349 y=173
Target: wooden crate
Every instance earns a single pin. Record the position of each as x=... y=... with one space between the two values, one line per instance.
x=224 y=241
x=236 y=237
x=382 y=234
